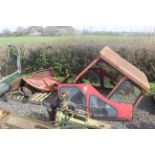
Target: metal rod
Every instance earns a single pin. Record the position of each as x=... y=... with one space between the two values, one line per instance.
x=118 y=84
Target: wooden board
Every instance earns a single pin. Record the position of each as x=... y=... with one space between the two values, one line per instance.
x=3 y=114
x=18 y=122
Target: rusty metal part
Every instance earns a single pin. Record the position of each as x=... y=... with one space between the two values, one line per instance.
x=68 y=114
x=120 y=64
x=43 y=80
x=85 y=70
x=115 y=88
x=139 y=100
x=69 y=118
x=126 y=68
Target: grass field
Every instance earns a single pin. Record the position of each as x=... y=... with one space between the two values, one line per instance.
x=30 y=40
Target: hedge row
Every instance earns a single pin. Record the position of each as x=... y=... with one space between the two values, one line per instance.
x=71 y=57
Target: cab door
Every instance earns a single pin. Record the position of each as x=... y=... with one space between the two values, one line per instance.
x=103 y=108
x=119 y=104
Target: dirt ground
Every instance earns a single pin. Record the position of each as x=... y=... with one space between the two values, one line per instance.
x=143 y=117
x=26 y=109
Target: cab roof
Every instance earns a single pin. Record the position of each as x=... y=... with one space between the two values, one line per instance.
x=124 y=67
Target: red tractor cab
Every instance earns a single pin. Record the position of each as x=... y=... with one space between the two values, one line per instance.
x=108 y=88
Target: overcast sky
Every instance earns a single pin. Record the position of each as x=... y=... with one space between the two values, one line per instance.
x=102 y=28
x=108 y=15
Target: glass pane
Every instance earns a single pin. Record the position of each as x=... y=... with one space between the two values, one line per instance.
x=75 y=96
x=127 y=92
x=107 y=83
x=91 y=77
x=110 y=70
x=100 y=109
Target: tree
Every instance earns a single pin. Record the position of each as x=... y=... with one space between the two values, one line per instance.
x=6 y=33
x=35 y=29
x=20 y=31
x=49 y=30
x=58 y=30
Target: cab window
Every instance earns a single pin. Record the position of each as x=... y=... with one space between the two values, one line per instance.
x=127 y=92
x=75 y=96
x=101 y=109
x=91 y=77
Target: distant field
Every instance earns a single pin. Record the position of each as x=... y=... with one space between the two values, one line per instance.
x=34 y=40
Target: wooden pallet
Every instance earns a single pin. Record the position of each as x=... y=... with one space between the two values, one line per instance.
x=38 y=98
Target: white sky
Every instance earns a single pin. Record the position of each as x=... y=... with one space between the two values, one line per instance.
x=108 y=15
x=77 y=12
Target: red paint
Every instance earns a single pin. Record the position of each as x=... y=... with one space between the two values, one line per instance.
x=124 y=110
x=43 y=81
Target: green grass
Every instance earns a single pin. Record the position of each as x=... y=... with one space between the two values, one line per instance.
x=30 y=40
x=152 y=85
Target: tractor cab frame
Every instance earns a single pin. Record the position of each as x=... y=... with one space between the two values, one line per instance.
x=108 y=88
